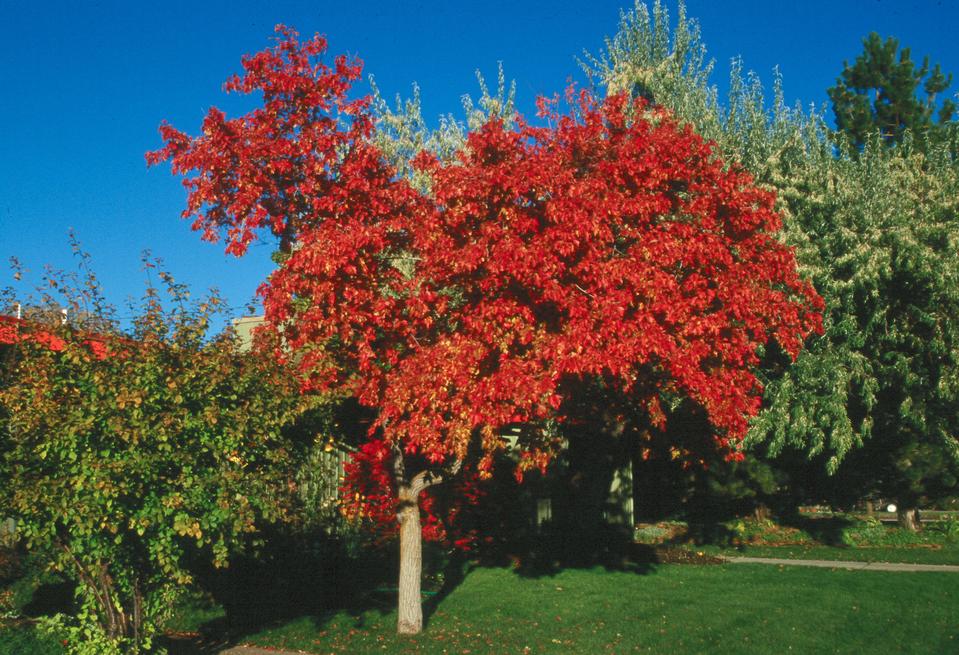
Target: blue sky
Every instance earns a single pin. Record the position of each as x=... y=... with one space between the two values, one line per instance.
x=84 y=85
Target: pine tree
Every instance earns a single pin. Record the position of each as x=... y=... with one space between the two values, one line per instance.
x=884 y=92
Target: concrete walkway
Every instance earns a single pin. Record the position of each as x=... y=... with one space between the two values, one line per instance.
x=253 y=650
x=835 y=564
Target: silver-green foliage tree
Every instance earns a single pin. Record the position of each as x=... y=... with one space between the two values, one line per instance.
x=885 y=378
x=876 y=230
x=402 y=132
x=125 y=450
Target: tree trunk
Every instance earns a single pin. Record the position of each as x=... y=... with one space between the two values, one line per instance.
x=762 y=512
x=410 y=609
x=409 y=616
x=908 y=518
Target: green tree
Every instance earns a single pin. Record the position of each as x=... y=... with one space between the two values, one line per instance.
x=125 y=451
x=875 y=230
x=908 y=471
x=884 y=379
x=884 y=92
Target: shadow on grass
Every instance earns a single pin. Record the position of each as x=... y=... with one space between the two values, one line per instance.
x=819 y=531
x=545 y=554
x=319 y=578
x=578 y=547
x=706 y=533
x=293 y=576
x=825 y=530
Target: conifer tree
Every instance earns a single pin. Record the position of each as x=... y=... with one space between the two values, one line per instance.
x=884 y=92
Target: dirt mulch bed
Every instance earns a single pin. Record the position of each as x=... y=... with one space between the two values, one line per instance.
x=661 y=554
x=667 y=555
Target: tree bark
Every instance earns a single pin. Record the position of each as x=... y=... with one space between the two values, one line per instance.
x=410 y=608
x=409 y=619
x=908 y=518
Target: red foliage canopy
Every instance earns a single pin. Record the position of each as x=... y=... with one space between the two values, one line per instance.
x=14 y=330
x=273 y=167
x=612 y=243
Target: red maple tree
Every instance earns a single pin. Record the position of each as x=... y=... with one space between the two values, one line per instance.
x=611 y=244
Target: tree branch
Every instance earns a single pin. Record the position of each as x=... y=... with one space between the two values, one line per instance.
x=399 y=467
x=108 y=622
x=428 y=478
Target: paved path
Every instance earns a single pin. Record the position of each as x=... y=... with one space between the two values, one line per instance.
x=184 y=646
x=835 y=564
x=253 y=650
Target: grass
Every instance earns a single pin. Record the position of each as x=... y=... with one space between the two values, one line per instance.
x=674 y=608
x=24 y=640
x=656 y=609
x=538 y=608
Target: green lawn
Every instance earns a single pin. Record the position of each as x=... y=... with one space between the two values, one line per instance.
x=23 y=640
x=670 y=609
x=662 y=608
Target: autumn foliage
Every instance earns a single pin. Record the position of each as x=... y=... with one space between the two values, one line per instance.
x=272 y=167
x=608 y=242
x=612 y=243
x=14 y=330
